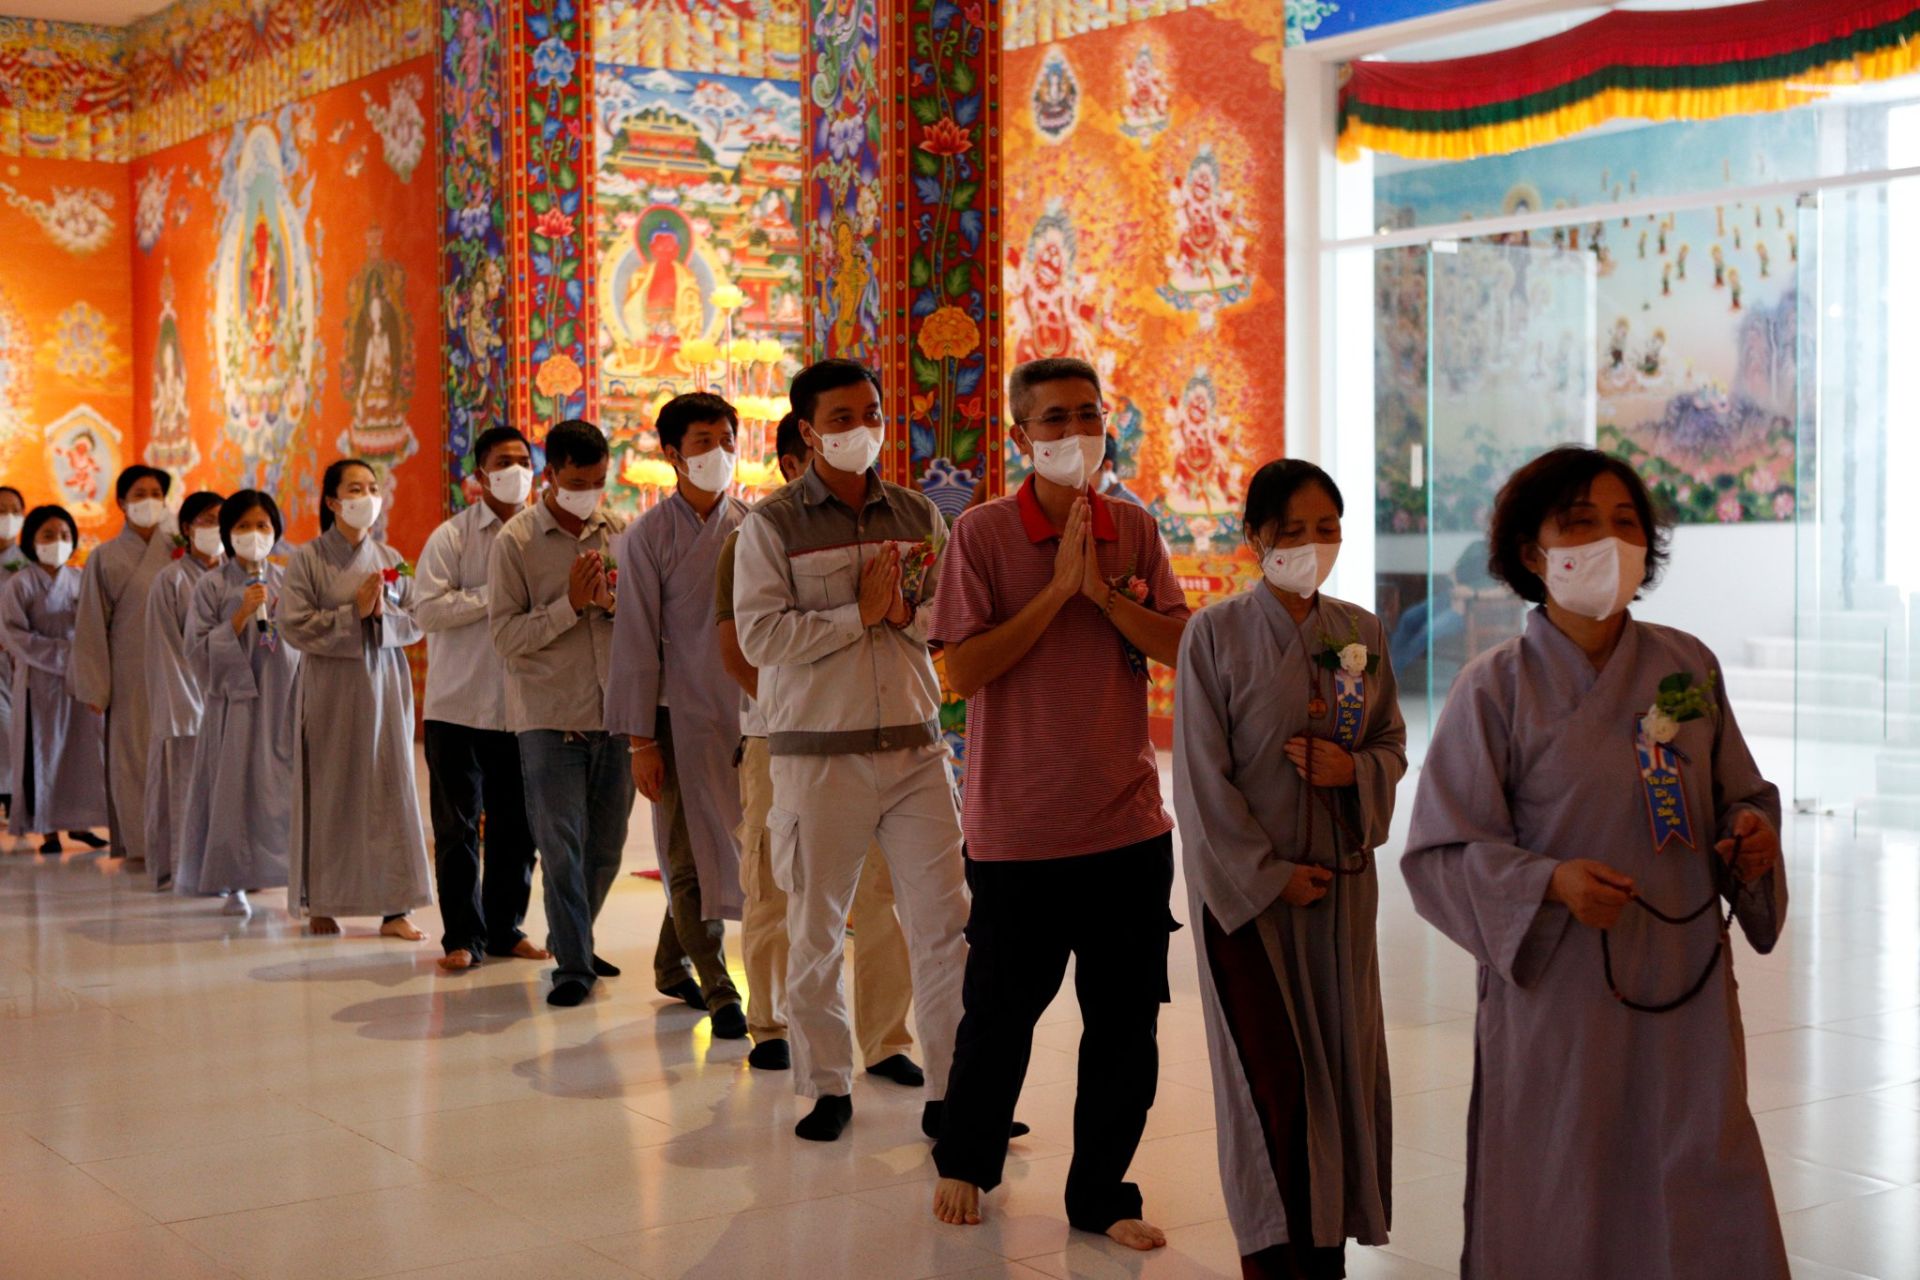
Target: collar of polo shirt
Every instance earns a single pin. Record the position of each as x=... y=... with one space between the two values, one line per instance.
x=1039 y=528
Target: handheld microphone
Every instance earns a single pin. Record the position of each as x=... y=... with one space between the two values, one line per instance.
x=260 y=616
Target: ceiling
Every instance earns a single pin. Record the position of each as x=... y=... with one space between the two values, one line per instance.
x=106 y=13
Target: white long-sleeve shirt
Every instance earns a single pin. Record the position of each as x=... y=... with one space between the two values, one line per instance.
x=466 y=677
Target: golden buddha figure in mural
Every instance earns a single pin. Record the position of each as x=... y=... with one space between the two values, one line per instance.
x=263 y=302
x=662 y=308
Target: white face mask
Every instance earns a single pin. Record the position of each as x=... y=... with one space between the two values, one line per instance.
x=853 y=451
x=510 y=485
x=54 y=554
x=1072 y=462
x=712 y=471
x=1598 y=579
x=1300 y=570
x=207 y=542
x=10 y=527
x=360 y=513
x=146 y=513
x=579 y=503
x=253 y=547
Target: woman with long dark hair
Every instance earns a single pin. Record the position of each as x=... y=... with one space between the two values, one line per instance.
x=358 y=846
x=59 y=743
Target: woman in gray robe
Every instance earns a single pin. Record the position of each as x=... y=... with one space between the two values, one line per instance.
x=13 y=516
x=239 y=816
x=58 y=745
x=1583 y=777
x=108 y=671
x=173 y=696
x=1285 y=764
x=358 y=846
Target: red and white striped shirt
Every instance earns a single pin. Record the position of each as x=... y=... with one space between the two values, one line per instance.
x=1059 y=763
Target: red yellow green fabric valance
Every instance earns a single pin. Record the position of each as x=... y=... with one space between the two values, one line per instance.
x=1692 y=64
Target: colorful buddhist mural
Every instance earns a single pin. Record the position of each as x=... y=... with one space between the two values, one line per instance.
x=66 y=340
x=699 y=276
x=279 y=313
x=757 y=39
x=1150 y=246
x=63 y=91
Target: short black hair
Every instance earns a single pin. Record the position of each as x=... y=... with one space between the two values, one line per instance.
x=678 y=416
x=330 y=486
x=787 y=440
x=236 y=509
x=1271 y=491
x=575 y=443
x=823 y=376
x=7 y=488
x=491 y=439
x=135 y=474
x=30 y=531
x=1113 y=450
x=196 y=506
x=1035 y=373
x=1547 y=488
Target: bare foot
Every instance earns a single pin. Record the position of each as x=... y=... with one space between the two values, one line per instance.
x=455 y=961
x=323 y=926
x=404 y=929
x=1135 y=1234
x=958 y=1203
x=525 y=950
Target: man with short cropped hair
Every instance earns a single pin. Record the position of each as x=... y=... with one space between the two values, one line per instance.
x=473 y=762
x=550 y=610
x=669 y=696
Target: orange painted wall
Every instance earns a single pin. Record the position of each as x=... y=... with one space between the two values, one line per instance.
x=261 y=256
x=66 y=311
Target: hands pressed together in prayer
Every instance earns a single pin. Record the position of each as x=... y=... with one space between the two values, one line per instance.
x=880 y=596
x=370 y=600
x=587 y=583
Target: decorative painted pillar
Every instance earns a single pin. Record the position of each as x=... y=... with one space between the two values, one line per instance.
x=903 y=226
x=551 y=342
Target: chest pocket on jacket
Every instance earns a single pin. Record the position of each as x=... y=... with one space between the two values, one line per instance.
x=826 y=579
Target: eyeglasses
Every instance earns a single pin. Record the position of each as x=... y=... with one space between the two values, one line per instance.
x=1061 y=419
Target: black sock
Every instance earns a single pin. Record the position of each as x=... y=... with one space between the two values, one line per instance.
x=687 y=991
x=900 y=1069
x=605 y=969
x=567 y=994
x=770 y=1055
x=828 y=1119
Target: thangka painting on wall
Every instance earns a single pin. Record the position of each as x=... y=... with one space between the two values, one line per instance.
x=1139 y=247
x=279 y=314
x=1688 y=351
x=699 y=269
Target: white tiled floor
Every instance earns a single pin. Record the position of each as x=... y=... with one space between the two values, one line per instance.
x=184 y=1095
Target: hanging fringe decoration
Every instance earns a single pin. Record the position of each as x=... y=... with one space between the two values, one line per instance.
x=1694 y=64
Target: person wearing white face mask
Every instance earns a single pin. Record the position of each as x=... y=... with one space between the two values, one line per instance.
x=13 y=517
x=358 y=847
x=109 y=668
x=58 y=744
x=473 y=761
x=1589 y=824
x=838 y=634
x=551 y=609
x=238 y=822
x=1288 y=746
x=670 y=697
x=173 y=695
x=1050 y=603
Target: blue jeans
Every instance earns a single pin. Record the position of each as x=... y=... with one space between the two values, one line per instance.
x=579 y=794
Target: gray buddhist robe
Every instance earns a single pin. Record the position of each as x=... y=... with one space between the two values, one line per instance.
x=58 y=745
x=358 y=847
x=239 y=812
x=665 y=654
x=1602 y=1141
x=109 y=669
x=173 y=713
x=1246 y=682
x=12 y=561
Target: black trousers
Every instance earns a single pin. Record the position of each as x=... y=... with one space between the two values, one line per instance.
x=471 y=772
x=1109 y=912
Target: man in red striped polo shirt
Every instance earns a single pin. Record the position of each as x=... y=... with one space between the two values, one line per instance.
x=1049 y=604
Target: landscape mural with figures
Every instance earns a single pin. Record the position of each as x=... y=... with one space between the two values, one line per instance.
x=1686 y=351
x=286 y=287
x=1143 y=221
x=698 y=258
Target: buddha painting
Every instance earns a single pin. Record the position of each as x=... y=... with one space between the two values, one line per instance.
x=663 y=304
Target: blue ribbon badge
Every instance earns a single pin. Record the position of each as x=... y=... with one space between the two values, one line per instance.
x=1666 y=796
x=1350 y=708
